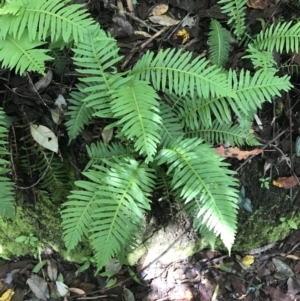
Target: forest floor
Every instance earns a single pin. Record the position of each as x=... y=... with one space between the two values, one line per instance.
x=266 y=267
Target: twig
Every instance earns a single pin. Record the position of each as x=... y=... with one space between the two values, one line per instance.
x=130 y=7
x=251 y=157
x=142 y=46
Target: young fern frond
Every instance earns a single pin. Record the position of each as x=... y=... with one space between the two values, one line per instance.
x=236 y=10
x=206 y=186
x=23 y=54
x=218 y=42
x=135 y=105
x=176 y=72
x=43 y=18
x=80 y=114
x=280 y=37
x=263 y=60
x=224 y=133
x=7 y=201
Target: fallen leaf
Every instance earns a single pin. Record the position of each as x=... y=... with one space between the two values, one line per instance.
x=258 y=4
x=247 y=260
x=159 y=9
x=235 y=152
x=107 y=135
x=52 y=269
x=184 y=34
x=38 y=286
x=77 y=291
x=286 y=182
x=44 y=81
x=62 y=289
x=163 y=20
x=44 y=136
x=7 y=295
x=291 y=256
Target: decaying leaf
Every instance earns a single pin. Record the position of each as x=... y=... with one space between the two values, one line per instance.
x=39 y=287
x=248 y=259
x=235 y=152
x=52 y=269
x=283 y=270
x=44 y=136
x=184 y=34
x=62 y=289
x=258 y=4
x=107 y=135
x=7 y=295
x=77 y=291
x=159 y=9
x=286 y=182
x=43 y=82
x=163 y=20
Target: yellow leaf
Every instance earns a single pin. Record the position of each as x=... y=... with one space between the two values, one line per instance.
x=184 y=34
x=7 y=295
x=247 y=260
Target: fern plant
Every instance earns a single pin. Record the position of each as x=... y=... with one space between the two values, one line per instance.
x=167 y=112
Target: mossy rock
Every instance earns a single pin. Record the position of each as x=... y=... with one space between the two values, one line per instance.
x=41 y=220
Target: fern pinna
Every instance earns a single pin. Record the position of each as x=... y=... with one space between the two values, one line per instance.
x=166 y=112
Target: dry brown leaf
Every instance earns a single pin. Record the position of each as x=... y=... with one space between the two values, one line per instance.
x=291 y=256
x=258 y=4
x=159 y=9
x=163 y=20
x=235 y=152
x=286 y=182
x=77 y=291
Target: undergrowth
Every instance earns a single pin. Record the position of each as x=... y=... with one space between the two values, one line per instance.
x=167 y=112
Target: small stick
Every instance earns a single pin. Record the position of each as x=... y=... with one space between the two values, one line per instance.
x=131 y=53
x=130 y=7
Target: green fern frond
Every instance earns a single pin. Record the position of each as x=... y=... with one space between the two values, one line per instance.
x=171 y=127
x=192 y=112
x=236 y=10
x=162 y=184
x=80 y=114
x=175 y=71
x=225 y=134
x=78 y=213
x=136 y=106
x=261 y=59
x=95 y=59
x=125 y=196
x=23 y=54
x=218 y=41
x=7 y=201
x=110 y=205
x=205 y=184
x=100 y=153
x=280 y=37
x=43 y=18
x=253 y=91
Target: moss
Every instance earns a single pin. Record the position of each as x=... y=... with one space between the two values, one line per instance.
x=42 y=221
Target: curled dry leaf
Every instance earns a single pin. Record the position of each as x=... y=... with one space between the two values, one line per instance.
x=159 y=9
x=235 y=152
x=77 y=291
x=44 y=81
x=286 y=182
x=163 y=20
